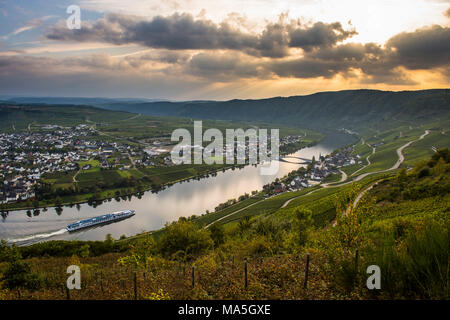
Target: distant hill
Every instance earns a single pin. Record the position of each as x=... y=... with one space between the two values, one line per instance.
x=21 y=115
x=351 y=108
x=73 y=100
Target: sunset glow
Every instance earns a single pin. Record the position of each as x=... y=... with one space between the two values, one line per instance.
x=200 y=49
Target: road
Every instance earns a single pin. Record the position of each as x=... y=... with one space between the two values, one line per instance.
x=288 y=201
x=400 y=160
x=234 y=212
x=344 y=176
x=133 y=117
x=367 y=159
x=131 y=160
x=74 y=178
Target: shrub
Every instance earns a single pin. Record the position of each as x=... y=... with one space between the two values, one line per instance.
x=418 y=266
x=18 y=275
x=217 y=234
x=186 y=237
x=301 y=226
x=424 y=172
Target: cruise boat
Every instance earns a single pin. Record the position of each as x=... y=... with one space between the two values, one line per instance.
x=104 y=219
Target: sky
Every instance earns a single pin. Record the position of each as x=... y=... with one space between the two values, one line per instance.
x=222 y=49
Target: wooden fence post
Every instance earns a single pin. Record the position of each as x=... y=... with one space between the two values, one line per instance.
x=67 y=293
x=245 y=274
x=193 y=277
x=135 y=286
x=305 y=284
x=101 y=282
x=356 y=266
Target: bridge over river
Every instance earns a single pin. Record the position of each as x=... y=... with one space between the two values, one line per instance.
x=287 y=158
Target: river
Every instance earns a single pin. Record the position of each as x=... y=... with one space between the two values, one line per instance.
x=153 y=210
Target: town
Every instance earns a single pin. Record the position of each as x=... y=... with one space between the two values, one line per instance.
x=314 y=173
x=27 y=156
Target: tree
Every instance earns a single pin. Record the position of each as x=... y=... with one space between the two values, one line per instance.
x=140 y=253
x=217 y=234
x=244 y=225
x=440 y=167
x=19 y=275
x=401 y=175
x=302 y=225
x=9 y=253
x=83 y=251
x=184 y=236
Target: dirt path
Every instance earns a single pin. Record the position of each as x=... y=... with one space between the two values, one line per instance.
x=288 y=201
x=344 y=176
x=357 y=199
x=131 y=160
x=133 y=117
x=400 y=160
x=367 y=159
x=234 y=212
x=362 y=176
x=74 y=178
x=401 y=157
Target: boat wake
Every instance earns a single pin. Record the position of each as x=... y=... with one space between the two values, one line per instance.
x=38 y=236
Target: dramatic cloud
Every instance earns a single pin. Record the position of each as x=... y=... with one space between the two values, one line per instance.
x=423 y=49
x=183 y=32
x=319 y=35
x=191 y=52
x=224 y=67
x=323 y=56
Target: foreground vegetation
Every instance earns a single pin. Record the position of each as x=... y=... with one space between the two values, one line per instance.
x=400 y=224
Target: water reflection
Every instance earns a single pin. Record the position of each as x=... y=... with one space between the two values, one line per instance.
x=153 y=210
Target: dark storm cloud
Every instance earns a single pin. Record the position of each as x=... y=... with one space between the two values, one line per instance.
x=224 y=67
x=176 y=32
x=183 y=32
x=307 y=68
x=423 y=49
x=227 y=54
x=319 y=35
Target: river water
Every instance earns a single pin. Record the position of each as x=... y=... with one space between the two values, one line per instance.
x=153 y=210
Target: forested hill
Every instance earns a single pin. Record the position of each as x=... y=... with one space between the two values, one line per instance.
x=352 y=108
x=21 y=115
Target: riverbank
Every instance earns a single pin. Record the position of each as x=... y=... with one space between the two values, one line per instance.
x=165 y=177
x=153 y=209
